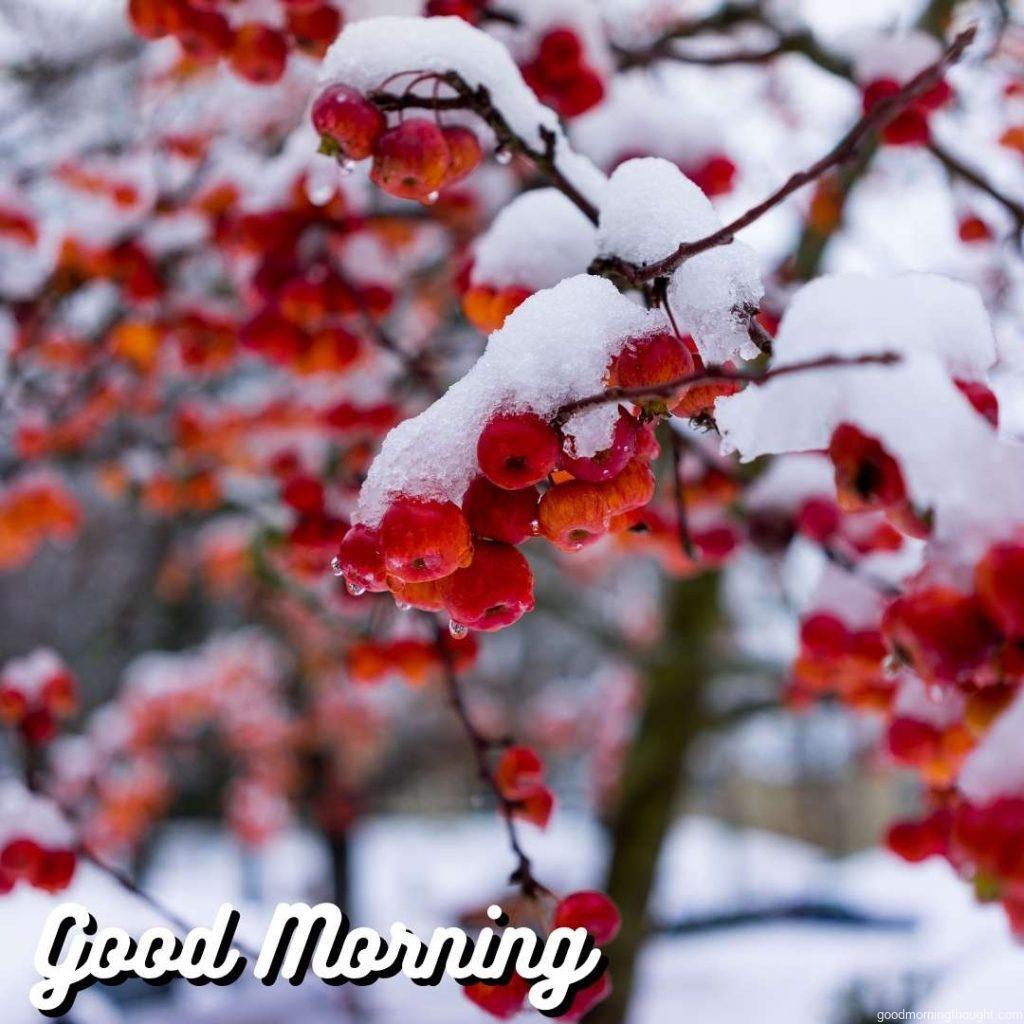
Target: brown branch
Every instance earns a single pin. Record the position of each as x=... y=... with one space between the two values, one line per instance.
x=846 y=149
x=715 y=373
x=958 y=169
x=482 y=748
x=479 y=102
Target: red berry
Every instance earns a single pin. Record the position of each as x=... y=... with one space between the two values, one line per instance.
x=38 y=727
x=591 y=910
x=649 y=361
x=494 y=591
x=999 y=581
x=464 y=152
x=503 y=1001
x=911 y=741
x=942 y=634
x=21 y=857
x=574 y=514
x=519 y=771
x=824 y=636
x=878 y=91
x=411 y=161
x=348 y=120
x=908 y=128
x=54 y=870
x=867 y=476
x=818 y=519
x=314 y=28
x=608 y=463
x=716 y=176
x=425 y=540
x=974 y=229
x=516 y=450
x=983 y=399
x=304 y=494
x=361 y=559
x=259 y=53
x=560 y=53
x=205 y=35
x=499 y=514
x=586 y=999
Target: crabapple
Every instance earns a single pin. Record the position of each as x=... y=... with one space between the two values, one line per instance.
x=427 y=597
x=519 y=770
x=464 y=152
x=493 y=591
x=487 y=308
x=347 y=122
x=205 y=35
x=632 y=488
x=313 y=27
x=424 y=540
x=259 y=53
x=867 y=476
x=941 y=633
x=411 y=160
x=999 y=581
x=516 y=450
x=982 y=398
x=500 y=514
x=650 y=361
x=610 y=461
x=574 y=514
x=586 y=999
x=911 y=741
x=715 y=176
x=21 y=857
x=361 y=559
x=54 y=871
x=503 y=1001
x=591 y=910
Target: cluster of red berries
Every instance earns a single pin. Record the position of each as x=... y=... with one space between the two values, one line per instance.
x=585 y=909
x=255 y=50
x=436 y=556
x=983 y=841
x=316 y=531
x=413 y=159
x=836 y=660
x=561 y=76
x=910 y=127
x=35 y=692
x=23 y=859
x=970 y=640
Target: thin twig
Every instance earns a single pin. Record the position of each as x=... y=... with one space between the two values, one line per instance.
x=478 y=100
x=482 y=748
x=714 y=373
x=847 y=148
x=956 y=167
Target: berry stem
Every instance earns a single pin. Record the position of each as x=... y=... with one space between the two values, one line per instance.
x=482 y=747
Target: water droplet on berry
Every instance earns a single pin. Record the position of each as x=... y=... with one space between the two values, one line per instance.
x=346 y=166
x=503 y=155
x=432 y=198
x=535 y=527
x=354 y=588
x=457 y=630
x=403 y=606
x=336 y=566
x=935 y=692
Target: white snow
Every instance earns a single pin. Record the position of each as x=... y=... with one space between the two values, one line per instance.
x=553 y=349
x=537 y=240
x=996 y=766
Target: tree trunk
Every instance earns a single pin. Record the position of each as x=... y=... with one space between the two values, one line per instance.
x=676 y=679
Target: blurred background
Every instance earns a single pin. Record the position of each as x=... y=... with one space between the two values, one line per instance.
x=661 y=701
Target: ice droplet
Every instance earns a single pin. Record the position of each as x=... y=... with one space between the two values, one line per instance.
x=336 y=566
x=457 y=630
x=402 y=606
x=432 y=198
x=354 y=588
x=535 y=527
x=503 y=156
x=346 y=166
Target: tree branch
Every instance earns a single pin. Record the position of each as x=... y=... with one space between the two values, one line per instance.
x=847 y=148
